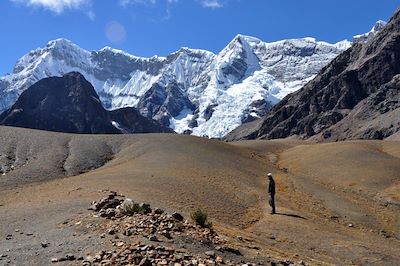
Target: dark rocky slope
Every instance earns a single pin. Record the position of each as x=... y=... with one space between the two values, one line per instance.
x=70 y=104
x=355 y=96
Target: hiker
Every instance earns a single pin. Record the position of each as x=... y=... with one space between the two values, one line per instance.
x=271 y=192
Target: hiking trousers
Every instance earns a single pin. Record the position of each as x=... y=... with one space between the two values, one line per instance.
x=272 y=203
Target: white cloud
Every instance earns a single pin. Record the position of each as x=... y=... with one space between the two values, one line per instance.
x=91 y=15
x=152 y=3
x=124 y=3
x=211 y=3
x=56 y=6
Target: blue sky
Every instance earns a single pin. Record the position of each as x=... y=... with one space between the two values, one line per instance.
x=159 y=27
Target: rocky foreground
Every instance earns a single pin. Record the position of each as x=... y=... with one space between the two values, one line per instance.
x=140 y=235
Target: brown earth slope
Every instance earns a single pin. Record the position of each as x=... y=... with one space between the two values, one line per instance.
x=321 y=190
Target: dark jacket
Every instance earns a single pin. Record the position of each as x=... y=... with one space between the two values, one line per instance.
x=271 y=186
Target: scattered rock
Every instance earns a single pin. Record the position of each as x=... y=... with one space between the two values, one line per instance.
x=210 y=254
x=253 y=247
x=158 y=211
x=144 y=208
x=153 y=238
x=110 y=212
x=140 y=221
x=233 y=250
x=145 y=262
x=178 y=216
x=384 y=234
x=219 y=260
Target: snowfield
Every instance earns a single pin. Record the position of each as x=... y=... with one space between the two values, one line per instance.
x=191 y=90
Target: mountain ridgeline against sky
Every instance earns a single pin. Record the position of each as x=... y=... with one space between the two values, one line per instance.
x=357 y=96
x=70 y=104
x=191 y=91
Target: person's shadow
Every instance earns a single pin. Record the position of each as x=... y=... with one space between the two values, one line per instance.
x=291 y=215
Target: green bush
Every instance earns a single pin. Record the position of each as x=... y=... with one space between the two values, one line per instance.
x=130 y=207
x=199 y=216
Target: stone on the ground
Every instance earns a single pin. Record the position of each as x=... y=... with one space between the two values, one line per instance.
x=110 y=212
x=178 y=216
x=153 y=238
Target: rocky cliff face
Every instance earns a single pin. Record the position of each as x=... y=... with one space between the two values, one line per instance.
x=70 y=104
x=355 y=96
x=192 y=91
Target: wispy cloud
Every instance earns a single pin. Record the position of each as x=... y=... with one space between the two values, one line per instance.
x=125 y=3
x=211 y=3
x=91 y=15
x=56 y=6
x=167 y=4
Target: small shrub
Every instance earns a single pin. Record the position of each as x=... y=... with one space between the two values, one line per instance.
x=144 y=208
x=130 y=207
x=199 y=216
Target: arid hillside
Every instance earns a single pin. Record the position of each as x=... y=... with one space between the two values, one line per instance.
x=337 y=203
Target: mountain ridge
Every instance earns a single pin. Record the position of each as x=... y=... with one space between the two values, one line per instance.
x=70 y=104
x=361 y=84
x=218 y=91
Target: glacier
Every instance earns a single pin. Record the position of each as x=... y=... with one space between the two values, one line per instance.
x=192 y=91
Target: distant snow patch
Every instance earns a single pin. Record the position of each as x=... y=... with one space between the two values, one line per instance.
x=180 y=123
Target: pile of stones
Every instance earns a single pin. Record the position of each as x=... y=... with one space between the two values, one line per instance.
x=145 y=236
x=147 y=254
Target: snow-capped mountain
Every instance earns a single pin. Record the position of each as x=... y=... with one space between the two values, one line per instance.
x=192 y=91
x=379 y=25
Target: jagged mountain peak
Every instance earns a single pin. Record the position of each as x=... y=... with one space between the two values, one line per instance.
x=378 y=26
x=245 y=39
x=189 y=51
x=217 y=92
x=241 y=42
x=107 y=50
x=61 y=42
x=353 y=97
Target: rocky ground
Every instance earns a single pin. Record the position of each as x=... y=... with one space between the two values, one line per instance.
x=337 y=203
x=145 y=236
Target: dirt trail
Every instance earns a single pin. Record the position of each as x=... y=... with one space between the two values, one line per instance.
x=331 y=219
x=321 y=189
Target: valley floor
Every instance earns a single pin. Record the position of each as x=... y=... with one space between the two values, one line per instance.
x=337 y=203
